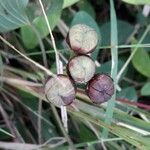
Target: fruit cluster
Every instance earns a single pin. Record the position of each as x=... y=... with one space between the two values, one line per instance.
x=60 y=90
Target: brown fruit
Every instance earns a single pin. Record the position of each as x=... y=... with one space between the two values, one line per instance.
x=82 y=39
x=100 y=88
x=60 y=90
x=81 y=68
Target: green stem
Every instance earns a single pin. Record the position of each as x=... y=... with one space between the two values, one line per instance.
x=133 y=52
x=66 y=50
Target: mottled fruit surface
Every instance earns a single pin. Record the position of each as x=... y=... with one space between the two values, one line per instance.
x=59 y=90
x=101 y=88
x=81 y=68
x=82 y=39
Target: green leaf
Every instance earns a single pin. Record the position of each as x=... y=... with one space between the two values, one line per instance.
x=136 y=122
x=68 y=3
x=141 y=62
x=128 y=93
x=23 y=2
x=145 y=91
x=84 y=18
x=27 y=36
x=12 y=14
x=137 y=2
x=106 y=67
x=84 y=5
x=91 y=147
x=124 y=31
x=85 y=133
x=147 y=37
x=39 y=23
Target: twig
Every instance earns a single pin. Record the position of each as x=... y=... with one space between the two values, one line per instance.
x=20 y=81
x=27 y=58
x=17 y=146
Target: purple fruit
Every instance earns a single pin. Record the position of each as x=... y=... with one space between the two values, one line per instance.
x=100 y=88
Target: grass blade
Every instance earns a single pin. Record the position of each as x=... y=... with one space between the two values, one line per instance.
x=114 y=54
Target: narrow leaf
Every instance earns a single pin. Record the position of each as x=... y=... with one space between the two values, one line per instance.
x=114 y=55
x=39 y=23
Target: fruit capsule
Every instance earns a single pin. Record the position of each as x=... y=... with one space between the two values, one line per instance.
x=100 y=88
x=60 y=90
x=82 y=39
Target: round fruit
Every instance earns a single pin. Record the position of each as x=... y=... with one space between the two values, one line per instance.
x=82 y=39
x=59 y=90
x=81 y=68
x=100 y=88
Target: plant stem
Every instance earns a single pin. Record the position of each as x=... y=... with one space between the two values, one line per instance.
x=65 y=50
x=52 y=37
